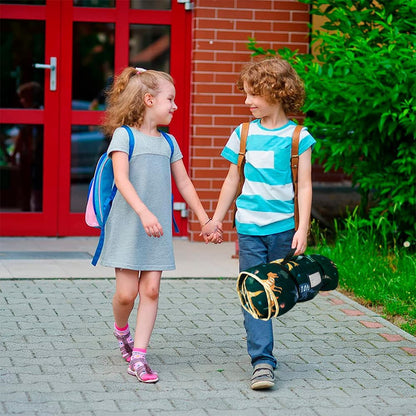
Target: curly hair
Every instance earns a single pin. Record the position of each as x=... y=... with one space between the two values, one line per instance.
x=276 y=81
x=125 y=99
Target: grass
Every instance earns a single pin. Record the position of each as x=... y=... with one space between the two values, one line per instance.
x=380 y=277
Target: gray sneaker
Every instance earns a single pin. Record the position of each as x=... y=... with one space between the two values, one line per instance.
x=263 y=377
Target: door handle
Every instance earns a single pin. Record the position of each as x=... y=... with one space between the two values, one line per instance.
x=52 y=67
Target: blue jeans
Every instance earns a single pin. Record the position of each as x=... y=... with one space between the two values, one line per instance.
x=255 y=250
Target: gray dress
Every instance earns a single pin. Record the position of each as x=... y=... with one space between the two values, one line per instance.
x=126 y=243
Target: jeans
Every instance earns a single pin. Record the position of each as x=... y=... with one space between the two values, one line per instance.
x=255 y=250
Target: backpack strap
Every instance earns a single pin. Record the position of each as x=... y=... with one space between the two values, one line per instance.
x=114 y=190
x=169 y=140
x=240 y=164
x=107 y=204
x=131 y=140
x=294 y=163
x=243 y=145
x=131 y=148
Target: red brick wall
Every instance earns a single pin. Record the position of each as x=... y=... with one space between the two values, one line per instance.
x=221 y=29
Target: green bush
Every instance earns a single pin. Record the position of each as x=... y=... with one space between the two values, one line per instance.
x=361 y=102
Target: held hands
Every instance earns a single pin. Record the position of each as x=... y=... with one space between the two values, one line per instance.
x=212 y=232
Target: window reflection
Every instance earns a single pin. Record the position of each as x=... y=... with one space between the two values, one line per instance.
x=150 y=47
x=93 y=64
x=21 y=167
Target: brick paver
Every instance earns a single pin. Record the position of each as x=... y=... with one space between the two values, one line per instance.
x=59 y=357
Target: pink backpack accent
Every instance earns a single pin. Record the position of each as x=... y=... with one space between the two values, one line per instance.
x=90 y=217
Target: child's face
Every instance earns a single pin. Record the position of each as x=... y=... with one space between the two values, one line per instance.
x=258 y=104
x=164 y=103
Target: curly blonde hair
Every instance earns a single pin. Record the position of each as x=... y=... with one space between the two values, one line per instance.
x=125 y=99
x=276 y=81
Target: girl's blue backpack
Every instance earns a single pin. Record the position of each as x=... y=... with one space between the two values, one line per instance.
x=102 y=191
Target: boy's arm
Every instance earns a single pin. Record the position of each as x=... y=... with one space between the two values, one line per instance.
x=227 y=194
x=300 y=238
x=187 y=190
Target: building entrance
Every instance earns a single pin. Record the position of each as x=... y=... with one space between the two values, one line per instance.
x=58 y=58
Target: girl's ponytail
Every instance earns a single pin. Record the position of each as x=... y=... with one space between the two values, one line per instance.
x=120 y=83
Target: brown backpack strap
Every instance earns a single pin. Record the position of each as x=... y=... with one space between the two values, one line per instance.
x=243 y=144
x=294 y=162
x=241 y=162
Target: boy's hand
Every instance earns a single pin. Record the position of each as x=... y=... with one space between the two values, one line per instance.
x=300 y=242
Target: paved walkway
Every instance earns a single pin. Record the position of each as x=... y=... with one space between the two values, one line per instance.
x=58 y=355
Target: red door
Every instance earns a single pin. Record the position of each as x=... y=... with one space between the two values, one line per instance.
x=61 y=56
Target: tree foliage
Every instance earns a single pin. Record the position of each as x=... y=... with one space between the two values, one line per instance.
x=361 y=101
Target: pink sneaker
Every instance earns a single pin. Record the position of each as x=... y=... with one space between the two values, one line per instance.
x=126 y=343
x=142 y=371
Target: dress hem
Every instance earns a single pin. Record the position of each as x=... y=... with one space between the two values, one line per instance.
x=141 y=268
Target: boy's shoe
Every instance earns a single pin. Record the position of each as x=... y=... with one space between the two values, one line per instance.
x=142 y=371
x=126 y=344
x=263 y=377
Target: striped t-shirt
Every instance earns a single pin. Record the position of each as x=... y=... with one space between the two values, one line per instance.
x=266 y=204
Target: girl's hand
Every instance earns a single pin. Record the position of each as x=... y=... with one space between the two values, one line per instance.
x=151 y=224
x=212 y=232
x=300 y=241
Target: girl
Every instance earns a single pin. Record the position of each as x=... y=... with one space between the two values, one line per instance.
x=265 y=208
x=138 y=237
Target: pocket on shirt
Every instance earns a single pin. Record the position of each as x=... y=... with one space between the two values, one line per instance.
x=261 y=159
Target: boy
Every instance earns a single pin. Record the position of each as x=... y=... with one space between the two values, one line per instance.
x=265 y=209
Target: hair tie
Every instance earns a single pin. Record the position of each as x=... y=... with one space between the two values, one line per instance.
x=140 y=70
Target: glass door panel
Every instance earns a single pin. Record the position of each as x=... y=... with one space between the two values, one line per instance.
x=150 y=47
x=21 y=144
x=94 y=3
x=92 y=64
x=21 y=168
x=92 y=75
x=151 y=4
x=24 y=2
x=22 y=43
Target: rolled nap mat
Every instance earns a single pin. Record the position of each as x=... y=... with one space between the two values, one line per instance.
x=272 y=289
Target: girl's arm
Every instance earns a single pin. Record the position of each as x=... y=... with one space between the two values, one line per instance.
x=226 y=198
x=187 y=190
x=121 y=178
x=300 y=239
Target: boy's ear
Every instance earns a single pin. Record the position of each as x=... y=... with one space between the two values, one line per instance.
x=148 y=99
